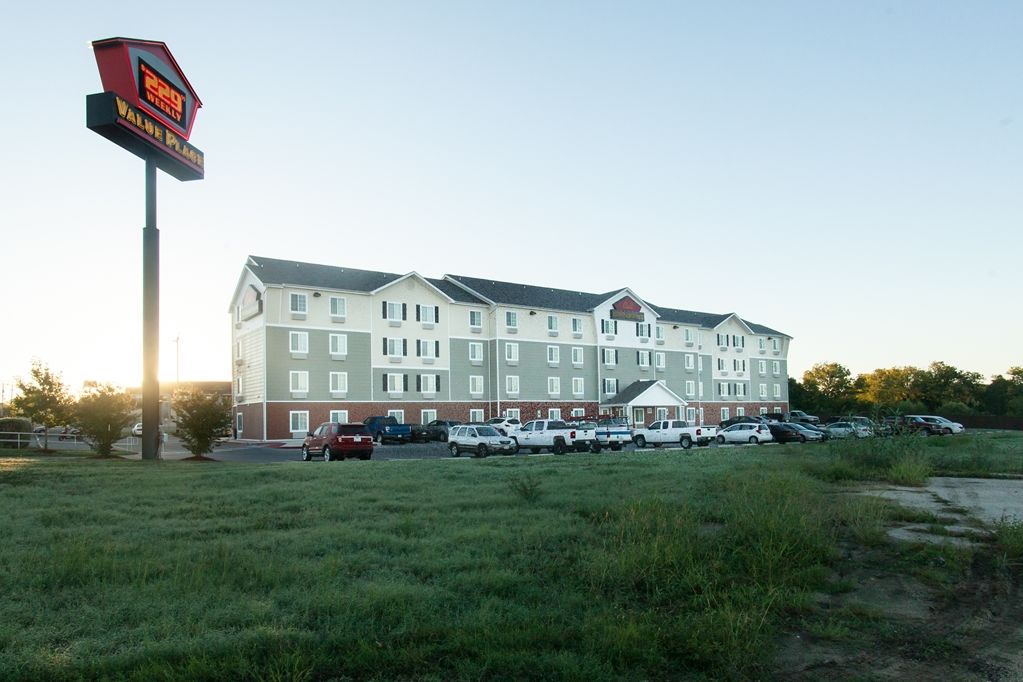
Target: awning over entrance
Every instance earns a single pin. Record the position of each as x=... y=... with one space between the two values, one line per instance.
x=641 y=396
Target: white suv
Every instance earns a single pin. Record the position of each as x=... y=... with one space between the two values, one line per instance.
x=745 y=433
x=506 y=426
x=480 y=440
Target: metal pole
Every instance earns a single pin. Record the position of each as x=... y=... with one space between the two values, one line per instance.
x=150 y=320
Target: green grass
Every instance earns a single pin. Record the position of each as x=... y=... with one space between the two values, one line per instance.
x=910 y=460
x=629 y=567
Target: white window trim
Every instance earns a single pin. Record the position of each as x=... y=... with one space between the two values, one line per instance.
x=554 y=385
x=338 y=382
x=335 y=416
x=342 y=346
x=302 y=414
x=476 y=358
x=301 y=349
x=553 y=355
x=475 y=384
x=303 y=377
x=511 y=384
x=578 y=386
x=338 y=313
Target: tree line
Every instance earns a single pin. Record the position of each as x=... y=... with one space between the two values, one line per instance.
x=830 y=388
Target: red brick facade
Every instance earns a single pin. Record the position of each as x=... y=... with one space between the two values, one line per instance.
x=252 y=421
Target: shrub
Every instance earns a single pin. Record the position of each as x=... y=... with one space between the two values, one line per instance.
x=910 y=469
x=13 y=425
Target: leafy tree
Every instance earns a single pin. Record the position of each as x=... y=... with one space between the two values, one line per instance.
x=201 y=419
x=833 y=385
x=942 y=383
x=886 y=387
x=1015 y=406
x=103 y=413
x=995 y=397
x=44 y=399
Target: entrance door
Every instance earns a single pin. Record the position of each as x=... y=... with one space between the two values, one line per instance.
x=638 y=416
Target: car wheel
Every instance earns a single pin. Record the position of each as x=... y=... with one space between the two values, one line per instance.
x=640 y=442
x=454 y=449
x=305 y=453
x=328 y=456
x=482 y=450
x=946 y=432
x=559 y=447
x=595 y=448
x=721 y=440
x=753 y=440
x=686 y=442
x=802 y=438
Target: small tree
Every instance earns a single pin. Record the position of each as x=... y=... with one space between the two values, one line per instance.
x=45 y=399
x=103 y=414
x=201 y=419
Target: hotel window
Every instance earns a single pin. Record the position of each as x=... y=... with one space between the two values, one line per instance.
x=427 y=314
x=299 y=421
x=395 y=383
x=554 y=413
x=299 y=382
x=476 y=384
x=610 y=357
x=511 y=352
x=690 y=388
x=476 y=319
x=739 y=365
x=298 y=304
x=578 y=412
x=643 y=330
x=689 y=361
x=554 y=385
x=426 y=348
x=740 y=412
x=643 y=358
x=395 y=347
x=776 y=345
x=724 y=413
x=723 y=389
x=475 y=415
x=577 y=385
x=659 y=360
x=476 y=352
x=511 y=384
x=577 y=325
x=609 y=326
x=699 y=363
x=338 y=344
x=427 y=416
x=553 y=355
x=511 y=319
x=723 y=340
x=577 y=356
x=610 y=386
x=687 y=335
x=298 y=342
x=762 y=342
x=690 y=414
x=399 y=415
x=763 y=410
x=721 y=364
x=660 y=333
x=238 y=389
x=552 y=324
x=738 y=341
x=740 y=390
x=394 y=312
x=339 y=382
x=339 y=416
x=428 y=383
x=661 y=413
x=763 y=390
x=762 y=366
x=775 y=367
x=777 y=390
x=512 y=413
x=338 y=307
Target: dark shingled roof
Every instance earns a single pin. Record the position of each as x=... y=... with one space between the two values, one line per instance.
x=274 y=271
x=528 y=295
x=282 y=272
x=630 y=392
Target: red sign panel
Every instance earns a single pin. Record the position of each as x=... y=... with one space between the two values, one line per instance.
x=158 y=92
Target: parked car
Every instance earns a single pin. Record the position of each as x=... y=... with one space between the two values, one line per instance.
x=673 y=432
x=946 y=426
x=438 y=429
x=506 y=426
x=556 y=436
x=387 y=428
x=848 y=430
x=614 y=433
x=744 y=419
x=481 y=440
x=786 y=433
x=811 y=432
x=332 y=440
x=800 y=416
x=911 y=424
x=745 y=433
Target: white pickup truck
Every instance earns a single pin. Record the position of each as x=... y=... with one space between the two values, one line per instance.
x=674 y=432
x=614 y=432
x=556 y=436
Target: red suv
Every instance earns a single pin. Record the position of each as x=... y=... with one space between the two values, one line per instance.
x=337 y=441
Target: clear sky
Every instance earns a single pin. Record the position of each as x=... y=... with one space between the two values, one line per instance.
x=846 y=172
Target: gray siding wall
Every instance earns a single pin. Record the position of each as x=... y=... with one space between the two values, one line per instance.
x=318 y=363
x=533 y=371
x=461 y=370
x=379 y=394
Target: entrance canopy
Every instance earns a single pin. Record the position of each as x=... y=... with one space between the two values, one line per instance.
x=640 y=397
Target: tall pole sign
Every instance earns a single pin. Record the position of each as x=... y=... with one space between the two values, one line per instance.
x=147 y=107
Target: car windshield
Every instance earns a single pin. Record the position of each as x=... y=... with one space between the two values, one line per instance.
x=487 y=431
x=496 y=420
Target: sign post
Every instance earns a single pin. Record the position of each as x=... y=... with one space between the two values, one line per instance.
x=147 y=107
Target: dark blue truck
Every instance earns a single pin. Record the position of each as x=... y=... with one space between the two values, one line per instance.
x=388 y=429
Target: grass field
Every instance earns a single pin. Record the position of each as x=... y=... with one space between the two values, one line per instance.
x=653 y=565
